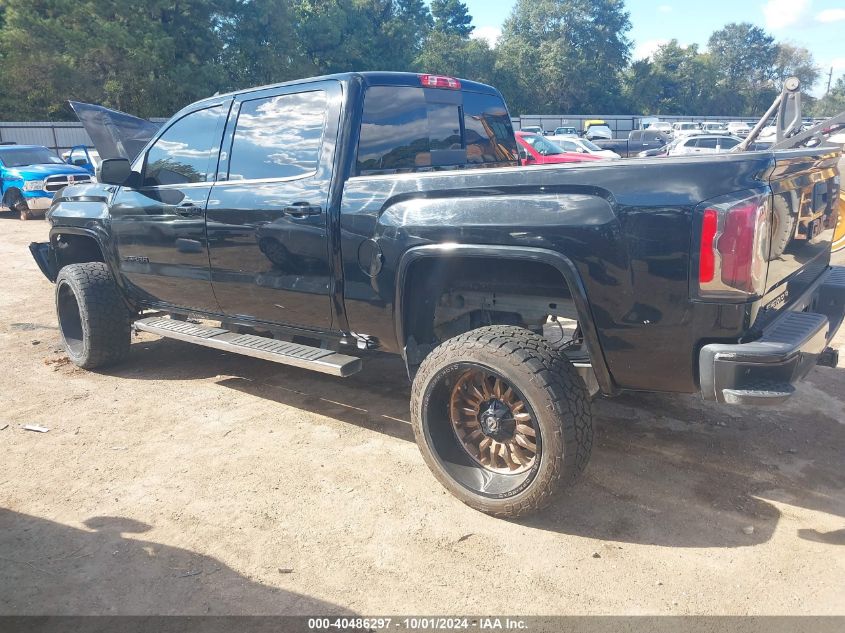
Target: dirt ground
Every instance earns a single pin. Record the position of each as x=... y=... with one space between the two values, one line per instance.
x=193 y=481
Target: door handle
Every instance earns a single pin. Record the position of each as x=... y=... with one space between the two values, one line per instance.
x=188 y=209
x=302 y=209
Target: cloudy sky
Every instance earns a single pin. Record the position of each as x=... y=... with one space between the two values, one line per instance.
x=818 y=25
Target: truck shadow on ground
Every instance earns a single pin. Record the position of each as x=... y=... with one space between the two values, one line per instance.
x=666 y=469
x=52 y=568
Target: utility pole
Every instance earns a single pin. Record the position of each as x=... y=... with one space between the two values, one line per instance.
x=829 y=78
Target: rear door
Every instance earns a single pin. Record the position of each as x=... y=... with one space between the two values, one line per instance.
x=159 y=226
x=268 y=212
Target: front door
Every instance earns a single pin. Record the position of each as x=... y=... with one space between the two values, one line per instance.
x=268 y=212
x=159 y=226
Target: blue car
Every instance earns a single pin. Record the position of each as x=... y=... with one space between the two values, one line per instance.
x=31 y=174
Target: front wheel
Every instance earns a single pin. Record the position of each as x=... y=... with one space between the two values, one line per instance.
x=501 y=419
x=93 y=319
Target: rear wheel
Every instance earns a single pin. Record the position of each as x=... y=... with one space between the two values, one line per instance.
x=93 y=320
x=501 y=419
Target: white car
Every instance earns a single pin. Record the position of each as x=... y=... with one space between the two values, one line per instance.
x=662 y=126
x=533 y=129
x=738 y=128
x=682 y=129
x=768 y=133
x=703 y=144
x=712 y=127
x=599 y=131
x=582 y=146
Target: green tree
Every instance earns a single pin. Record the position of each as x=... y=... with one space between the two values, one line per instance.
x=564 y=56
x=450 y=54
x=797 y=61
x=833 y=102
x=344 y=35
x=451 y=17
x=744 y=56
x=149 y=60
x=261 y=44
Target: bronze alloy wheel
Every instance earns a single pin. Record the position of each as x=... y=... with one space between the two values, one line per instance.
x=492 y=423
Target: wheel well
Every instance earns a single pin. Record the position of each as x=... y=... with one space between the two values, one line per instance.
x=76 y=249
x=7 y=196
x=447 y=297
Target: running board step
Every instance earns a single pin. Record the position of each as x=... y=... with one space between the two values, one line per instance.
x=322 y=360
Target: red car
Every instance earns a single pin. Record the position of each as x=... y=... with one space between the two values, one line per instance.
x=538 y=150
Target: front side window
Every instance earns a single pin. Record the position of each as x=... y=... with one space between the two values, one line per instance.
x=278 y=137
x=707 y=143
x=184 y=153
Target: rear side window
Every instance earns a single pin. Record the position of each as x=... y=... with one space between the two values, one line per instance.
x=278 y=137
x=707 y=143
x=186 y=153
x=413 y=129
x=635 y=136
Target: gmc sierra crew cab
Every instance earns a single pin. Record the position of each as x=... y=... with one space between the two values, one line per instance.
x=309 y=222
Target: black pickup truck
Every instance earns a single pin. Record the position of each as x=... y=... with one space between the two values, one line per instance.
x=310 y=222
x=637 y=141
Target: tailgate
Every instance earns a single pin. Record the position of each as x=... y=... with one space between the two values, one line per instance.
x=805 y=193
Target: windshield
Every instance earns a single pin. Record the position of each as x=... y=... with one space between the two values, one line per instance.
x=541 y=145
x=23 y=156
x=590 y=146
x=688 y=126
x=565 y=130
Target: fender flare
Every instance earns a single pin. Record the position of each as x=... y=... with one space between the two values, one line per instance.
x=561 y=263
x=109 y=255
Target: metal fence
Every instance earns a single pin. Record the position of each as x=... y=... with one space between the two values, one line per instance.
x=57 y=136
x=621 y=124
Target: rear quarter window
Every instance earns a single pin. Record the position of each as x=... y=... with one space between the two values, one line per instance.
x=405 y=128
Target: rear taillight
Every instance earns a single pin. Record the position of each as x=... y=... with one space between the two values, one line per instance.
x=440 y=81
x=734 y=247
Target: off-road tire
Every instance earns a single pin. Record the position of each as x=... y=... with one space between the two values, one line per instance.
x=93 y=319
x=552 y=388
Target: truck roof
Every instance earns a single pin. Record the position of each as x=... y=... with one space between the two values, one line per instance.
x=368 y=78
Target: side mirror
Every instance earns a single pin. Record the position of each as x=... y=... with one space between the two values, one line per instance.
x=114 y=171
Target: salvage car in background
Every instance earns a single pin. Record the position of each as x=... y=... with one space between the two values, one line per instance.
x=31 y=174
x=582 y=146
x=703 y=144
x=713 y=127
x=538 y=150
x=685 y=128
x=637 y=141
x=738 y=128
x=83 y=156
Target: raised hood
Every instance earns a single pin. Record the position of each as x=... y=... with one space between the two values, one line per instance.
x=114 y=134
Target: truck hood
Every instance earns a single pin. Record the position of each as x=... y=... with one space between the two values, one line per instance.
x=115 y=134
x=35 y=172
